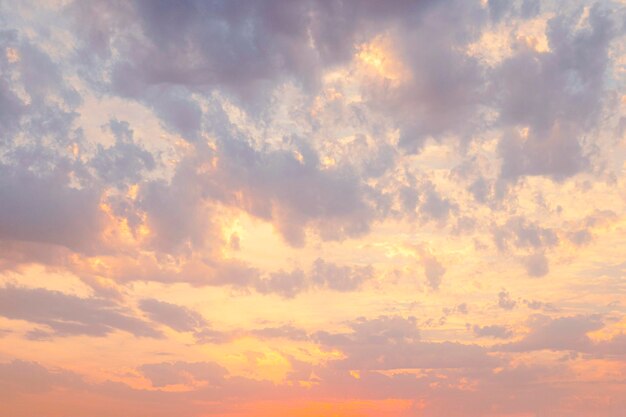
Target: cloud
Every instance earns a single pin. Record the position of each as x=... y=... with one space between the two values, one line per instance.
x=570 y=333
x=557 y=94
x=322 y=275
x=274 y=185
x=177 y=317
x=45 y=195
x=580 y=237
x=556 y=152
x=21 y=377
x=209 y=335
x=46 y=210
x=505 y=301
x=284 y=331
x=69 y=315
x=183 y=373
x=444 y=87
x=521 y=233
x=433 y=270
x=434 y=206
x=394 y=342
x=258 y=48
x=339 y=278
x=495 y=331
x=563 y=333
x=336 y=124
x=278 y=186
x=536 y=265
x=287 y=284
x=538 y=305
x=12 y=106
x=125 y=161
x=461 y=308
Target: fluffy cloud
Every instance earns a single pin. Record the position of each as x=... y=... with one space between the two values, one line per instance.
x=19 y=377
x=67 y=315
x=395 y=343
x=177 y=317
x=557 y=94
x=45 y=210
x=323 y=275
x=494 y=330
x=566 y=333
x=505 y=301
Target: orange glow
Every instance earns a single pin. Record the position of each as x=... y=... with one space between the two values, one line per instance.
x=348 y=408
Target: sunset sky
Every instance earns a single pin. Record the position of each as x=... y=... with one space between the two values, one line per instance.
x=299 y=208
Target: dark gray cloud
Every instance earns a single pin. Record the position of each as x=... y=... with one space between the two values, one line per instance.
x=536 y=265
x=242 y=48
x=563 y=333
x=68 y=315
x=559 y=95
x=340 y=278
x=445 y=86
x=521 y=233
x=45 y=196
x=47 y=210
x=169 y=53
x=123 y=162
x=293 y=193
x=434 y=206
x=322 y=275
x=11 y=105
x=580 y=237
x=177 y=317
x=434 y=271
x=494 y=330
x=161 y=55
x=498 y=9
x=273 y=185
x=505 y=301
x=556 y=153
x=34 y=98
x=176 y=110
x=530 y=8
x=176 y=213
x=286 y=284
x=395 y=343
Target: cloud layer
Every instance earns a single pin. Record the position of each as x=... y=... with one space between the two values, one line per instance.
x=356 y=208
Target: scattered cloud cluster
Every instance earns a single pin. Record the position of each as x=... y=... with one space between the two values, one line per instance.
x=240 y=207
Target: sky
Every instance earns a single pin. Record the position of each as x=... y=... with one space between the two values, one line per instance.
x=331 y=208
